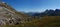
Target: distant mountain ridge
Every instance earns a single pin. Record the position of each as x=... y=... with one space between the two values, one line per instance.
x=47 y=13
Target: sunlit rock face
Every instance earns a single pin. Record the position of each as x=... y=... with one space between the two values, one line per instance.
x=7 y=15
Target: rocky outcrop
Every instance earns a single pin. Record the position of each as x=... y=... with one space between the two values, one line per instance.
x=8 y=15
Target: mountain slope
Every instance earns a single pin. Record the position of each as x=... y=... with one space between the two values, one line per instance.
x=10 y=15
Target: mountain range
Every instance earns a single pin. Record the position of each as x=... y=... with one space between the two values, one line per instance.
x=46 y=13
x=12 y=18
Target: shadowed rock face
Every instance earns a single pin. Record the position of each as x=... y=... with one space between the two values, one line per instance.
x=8 y=15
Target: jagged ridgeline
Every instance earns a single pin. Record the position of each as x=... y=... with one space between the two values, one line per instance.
x=9 y=15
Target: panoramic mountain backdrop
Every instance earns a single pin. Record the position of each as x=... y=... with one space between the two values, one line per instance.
x=46 y=13
x=9 y=17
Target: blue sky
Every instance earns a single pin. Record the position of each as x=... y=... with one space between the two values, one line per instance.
x=33 y=5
